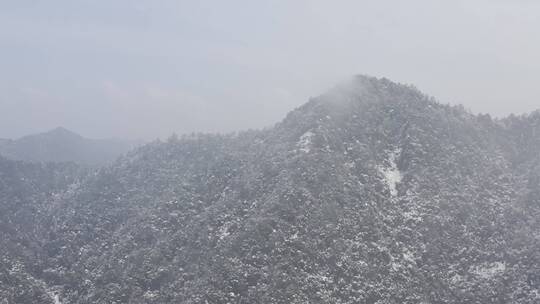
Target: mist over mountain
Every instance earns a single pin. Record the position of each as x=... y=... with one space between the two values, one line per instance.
x=370 y=193
x=62 y=145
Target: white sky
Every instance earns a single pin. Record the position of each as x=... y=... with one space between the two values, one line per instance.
x=147 y=68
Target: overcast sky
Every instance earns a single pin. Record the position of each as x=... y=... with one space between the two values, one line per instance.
x=147 y=68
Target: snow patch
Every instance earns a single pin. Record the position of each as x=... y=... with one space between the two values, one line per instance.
x=53 y=295
x=304 y=143
x=320 y=278
x=456 y=278
x=149 y=295
x=52 y=292
x=391 y=174
x=488 y=271
x=395 y=266
x=224 y=232
x=409 y=256
x=412 y=215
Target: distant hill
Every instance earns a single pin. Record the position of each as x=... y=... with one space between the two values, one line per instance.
x=62 y=145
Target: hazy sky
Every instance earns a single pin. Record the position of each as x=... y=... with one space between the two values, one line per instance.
x=147 y=68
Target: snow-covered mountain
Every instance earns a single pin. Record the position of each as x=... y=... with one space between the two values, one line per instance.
x=370 y=193
x=62 y=145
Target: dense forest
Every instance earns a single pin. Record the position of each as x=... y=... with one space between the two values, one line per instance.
x=369 y=193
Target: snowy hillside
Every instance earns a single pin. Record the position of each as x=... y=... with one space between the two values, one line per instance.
x=370 y=193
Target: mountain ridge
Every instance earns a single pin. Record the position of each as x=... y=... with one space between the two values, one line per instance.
x=63 y=145
x=372 y=194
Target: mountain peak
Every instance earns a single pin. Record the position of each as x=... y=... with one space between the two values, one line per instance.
x=370 y=89
x=63 y=145
x=360 y=97
x=61 y=131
